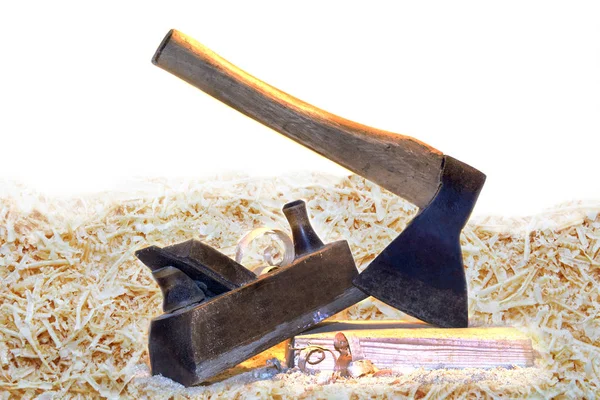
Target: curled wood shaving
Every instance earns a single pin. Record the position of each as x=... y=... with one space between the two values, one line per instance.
x=75 y=303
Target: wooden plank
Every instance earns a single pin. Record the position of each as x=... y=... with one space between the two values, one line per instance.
x=399 y=346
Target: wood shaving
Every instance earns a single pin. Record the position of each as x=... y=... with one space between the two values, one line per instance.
x=75 y=304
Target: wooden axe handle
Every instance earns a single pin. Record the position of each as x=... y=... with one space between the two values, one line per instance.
x=405 y=166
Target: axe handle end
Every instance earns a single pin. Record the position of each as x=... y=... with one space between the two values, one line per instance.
x=401 y=164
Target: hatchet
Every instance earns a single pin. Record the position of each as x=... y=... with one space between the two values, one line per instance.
x=421 y=272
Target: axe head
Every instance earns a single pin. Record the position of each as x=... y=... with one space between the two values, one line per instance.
x=421 y=272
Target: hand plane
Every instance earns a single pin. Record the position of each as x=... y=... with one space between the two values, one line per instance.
x=421 y=272
x=218 y=314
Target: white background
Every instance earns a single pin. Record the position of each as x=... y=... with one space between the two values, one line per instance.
x=511 y=87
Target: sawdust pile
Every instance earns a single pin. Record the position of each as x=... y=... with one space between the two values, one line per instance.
x=75 y=303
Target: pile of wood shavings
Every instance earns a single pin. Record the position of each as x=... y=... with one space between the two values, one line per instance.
x=265 y=383
x=75 y=303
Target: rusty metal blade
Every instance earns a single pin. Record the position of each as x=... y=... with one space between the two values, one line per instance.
x=421 y=272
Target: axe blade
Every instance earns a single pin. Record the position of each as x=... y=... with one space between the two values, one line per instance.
x=421 y=272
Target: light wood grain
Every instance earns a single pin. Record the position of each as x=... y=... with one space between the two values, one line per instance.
x=398 y=345
x=401 y=164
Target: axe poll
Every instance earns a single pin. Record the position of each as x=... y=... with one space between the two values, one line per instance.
x=420 y=272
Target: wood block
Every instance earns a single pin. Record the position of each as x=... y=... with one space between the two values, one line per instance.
x=401 y=346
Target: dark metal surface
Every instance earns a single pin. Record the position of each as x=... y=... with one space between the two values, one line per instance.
x=178 y=289
x=198 y=341
x=421 y=272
